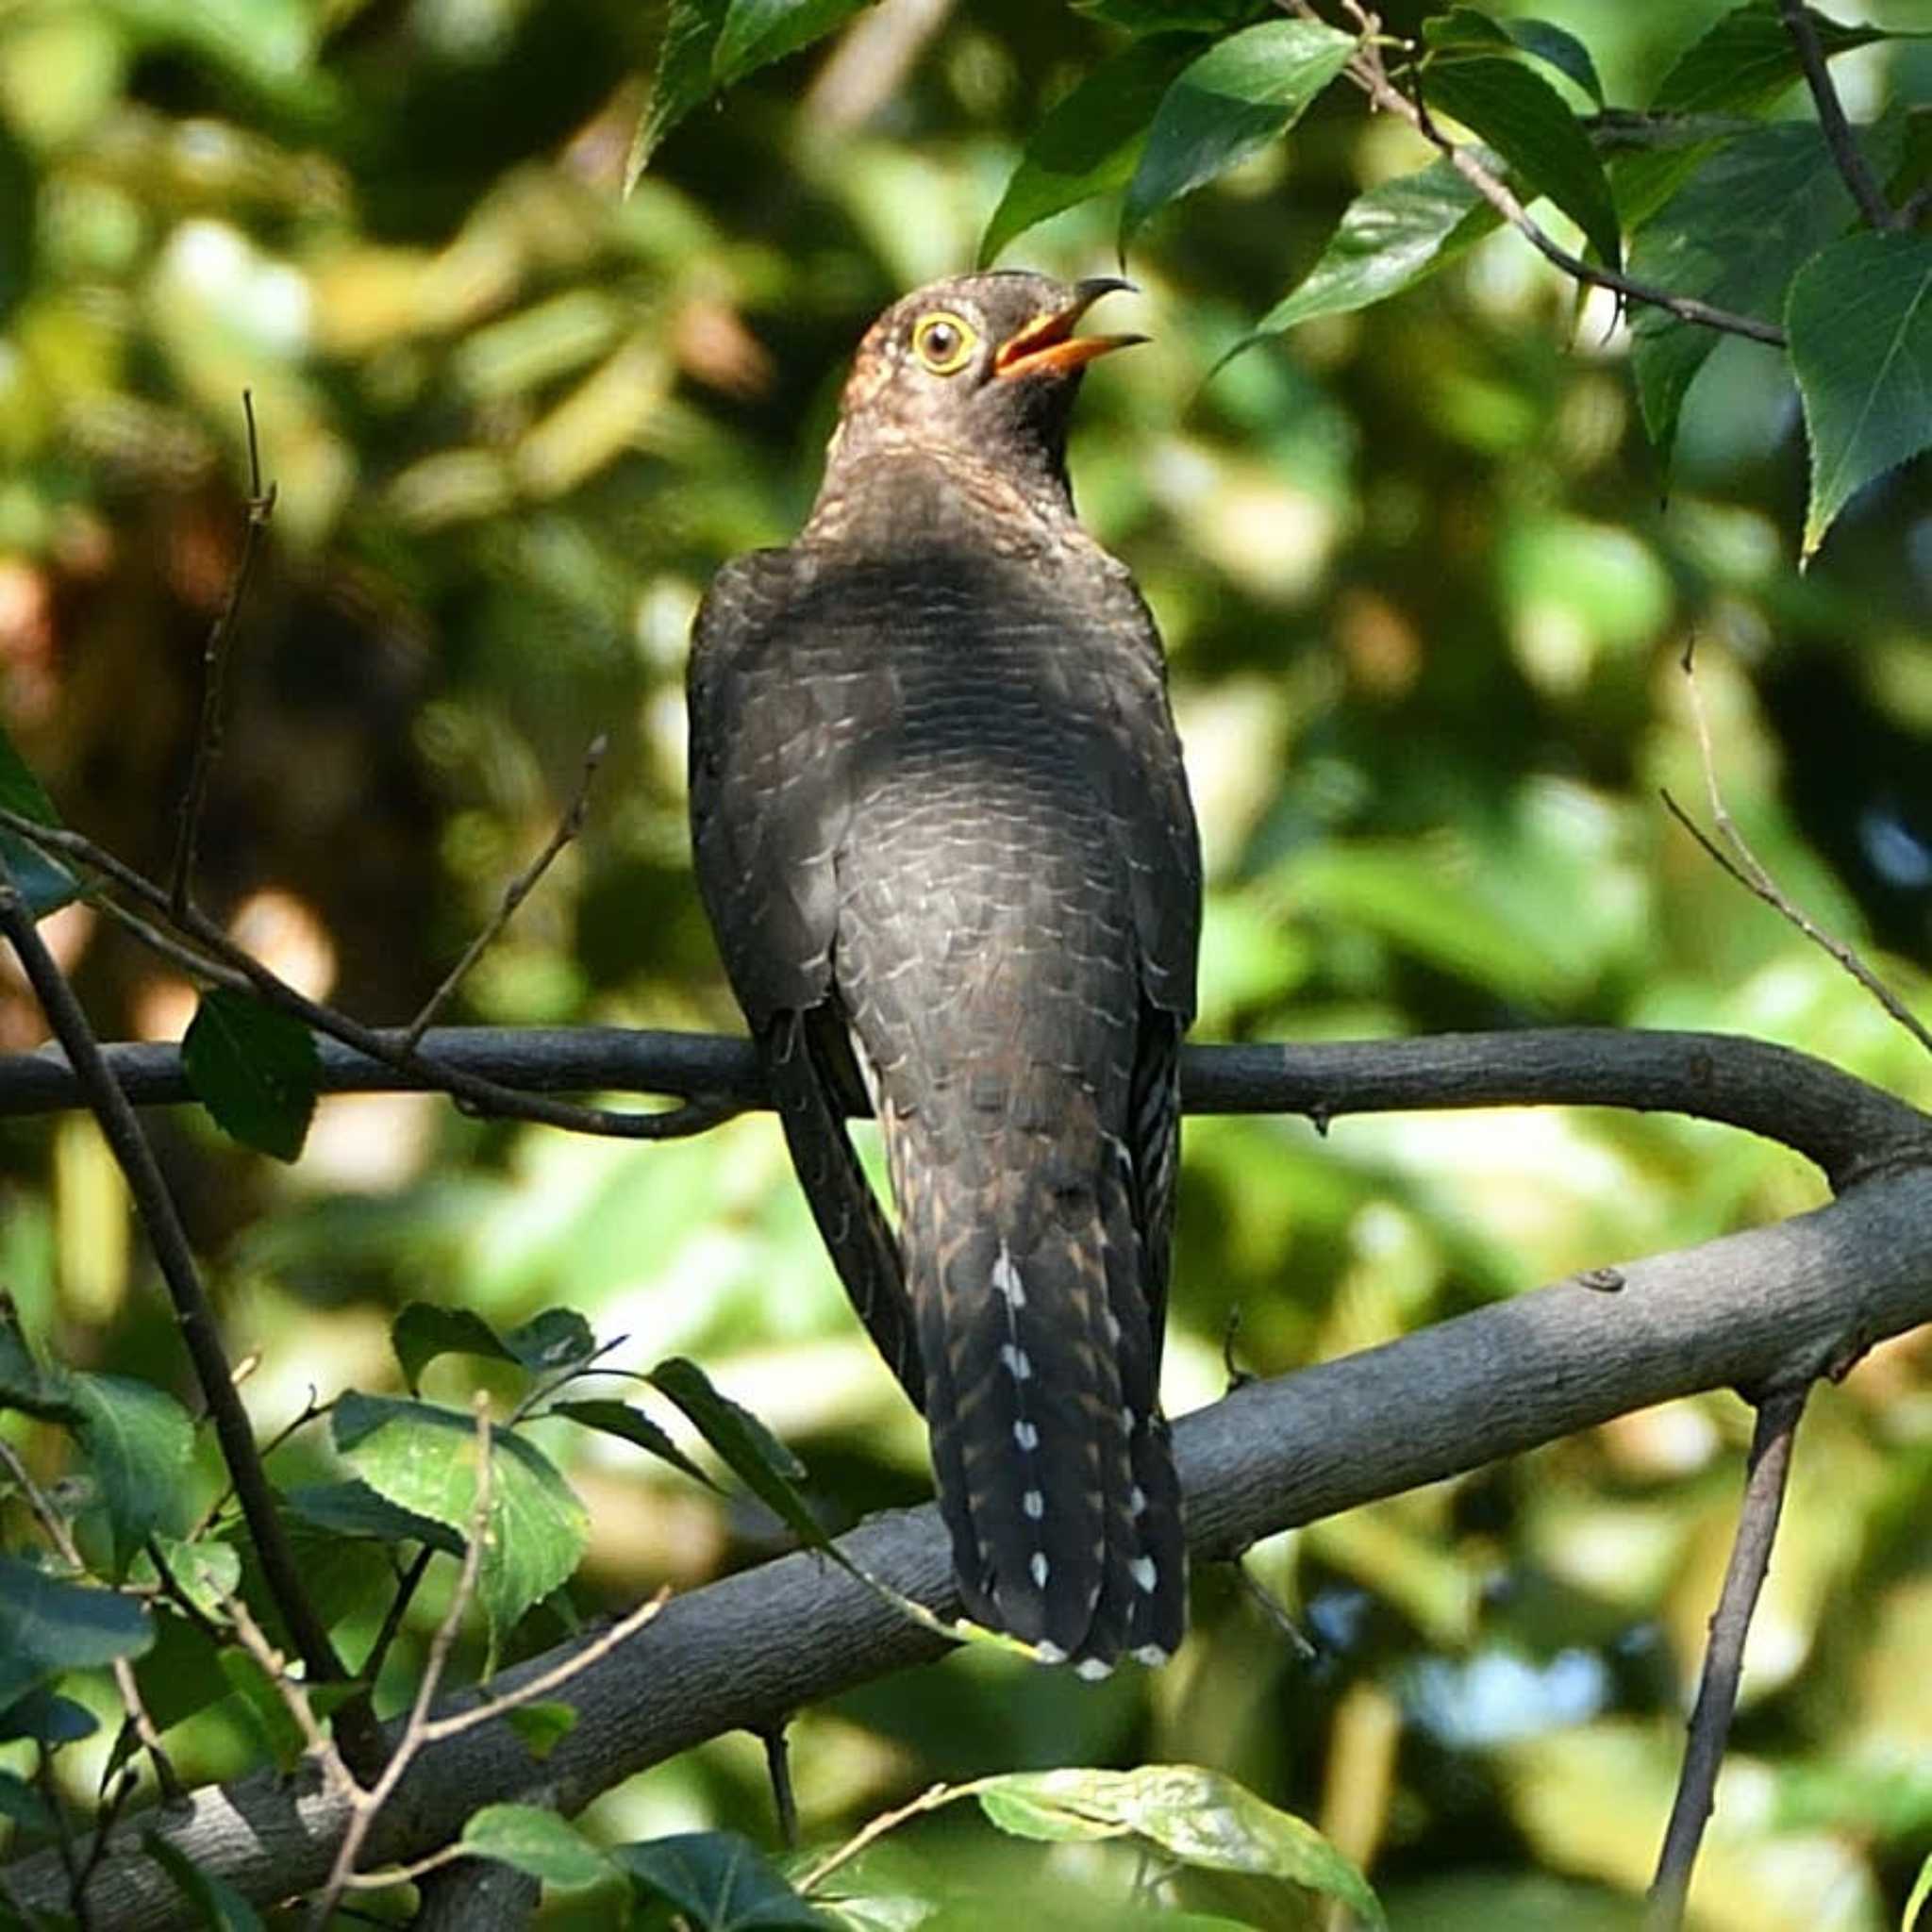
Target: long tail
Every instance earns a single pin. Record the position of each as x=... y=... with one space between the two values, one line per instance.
x=1054 y=1467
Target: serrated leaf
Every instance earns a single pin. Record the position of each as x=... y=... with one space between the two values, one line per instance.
x=255 y=1070
x=755 y=1457
x=51 y=1720
x=48 y=1627
x=556 y=1338
x=613 y=1418
x=1734 y=235
x=1089 y=142
x=44 y=883
x=539 y=1843
x=1528 y=123
x=423 y=1331
x=424 y=1457
x=1389 y=237
x=354 y=1509
x=1241 y=94
x=1199 y=1817
x=757 y=32
x=219 y=1908
x=137 y=1439
x=683 y=78
x=22 y=1805
x=1860 y=319
x=541 y=1726
x=720 y=1881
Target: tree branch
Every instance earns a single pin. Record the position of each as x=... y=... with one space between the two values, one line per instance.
x=1838 y=137
x=1767 y=1307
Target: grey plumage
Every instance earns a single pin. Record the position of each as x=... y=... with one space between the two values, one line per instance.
x=943 y=835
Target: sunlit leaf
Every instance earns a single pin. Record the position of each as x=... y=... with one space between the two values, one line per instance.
x=354 y=1509
x=758 y=31
x=536 y=1841
x=1860 y=325
x=1090 y=142
x=541 y=1726
x=137 y=1439
x=1921 y=1897
x=48 y=1627
x=1528 y=123
x=255 y=1069
x=1241 y=94
x=720 y=1881
x=204 y=1570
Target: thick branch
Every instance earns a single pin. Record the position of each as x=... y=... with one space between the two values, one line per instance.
x=1847 y=1126
x=1764 y=1308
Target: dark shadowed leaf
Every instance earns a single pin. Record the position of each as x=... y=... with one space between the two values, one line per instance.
x=424 y=1458
x=138 y=1439
x=48 y=1627
x=1088 y=143
x=254 y=1068
x=555 y=1340
x=1558 y=47
x=758 y=31
x=541 y=1726
x=1175 y=16
x=682 y=80
x=1200 y=1817
x=34 y=1388
x=47 y=1718
x=352 y=1508
x=1236 y=97
x=1528 y=121
x=1860 y=322
x=423 y=1331
x=218 y=1905
x=720 y=1881
x=621 y=1419
x=21 y=1805
x=747 y=1448
x=539 y=1843
x=44 y=883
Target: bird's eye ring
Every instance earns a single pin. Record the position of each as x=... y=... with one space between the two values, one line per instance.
x=944 y=342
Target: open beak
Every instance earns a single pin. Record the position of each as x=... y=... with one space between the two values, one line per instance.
x=1048 y=346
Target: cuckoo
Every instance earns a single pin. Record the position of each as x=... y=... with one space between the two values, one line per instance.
x=944 y=838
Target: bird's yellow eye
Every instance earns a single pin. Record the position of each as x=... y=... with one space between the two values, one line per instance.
x=944 y=342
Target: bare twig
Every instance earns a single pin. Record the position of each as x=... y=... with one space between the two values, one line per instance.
x=1838 y=133
x=194 y=1315
x=1366 y=71
x=1717 y=1690
x=311 y=1409
x=931 y=1799
x=295 y=1696
x=406 y=1586
x=778 y=1769
x=1736 y=857
x=214 y=660
x=514 y=895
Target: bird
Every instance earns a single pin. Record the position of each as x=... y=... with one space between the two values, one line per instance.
x=944 y=834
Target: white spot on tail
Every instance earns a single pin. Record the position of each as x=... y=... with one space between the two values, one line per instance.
x=1018 y=1366
x=1142 y=1569
x=1034 y=1504
x=1026 y=1435
x=1006 y=1278
x=1093 y=1669
x=1127 y=1420
x=1038 y=1567
x=1048 y=1652
x=1137 y=1502
x=1113 y=1330
x=1152 y=1656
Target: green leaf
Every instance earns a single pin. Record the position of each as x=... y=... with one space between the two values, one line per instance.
x=541 y=1726
x=1921 y=1896
x=22 y=1805
x=25 y=1384
x=763 y=1463
x=623 y=1420
x=539 y=1843
x=204 y=1571
x=1236 y=97
x=18 y=211
x=44 y=883
x=182 y=1674
x=1734 y=235
x=48 y=1627
x=137 y=1439
x=1527 y=121
x=1174 y=16
x=1558 y=47
x=1200 y=1817
x=1860 y=325
x=1090 y=142
x=758 y=31
x=218 y=1905
x=556 y=1338
x=49 y=1719
x=423 y=1331
x=1389 y=237
x=254 y=1068
x=354 y=1509
x=260 y=1696
x=719 y=1880
x=424 y=1458
x=683 y=78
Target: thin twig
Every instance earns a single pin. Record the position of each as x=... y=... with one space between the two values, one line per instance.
x=784 y=1799
x=514 y=895
x=1743 y=865
x=214 y=660
x=694 y=1116
x=194 y=1314
x=1717 y=1690
x=1838 y=137
x=294 y=1695
x=1366 y=71
x=931 y=1799
x=184 y=958
x=407 y=1585
x=1275 y=1611
x=311 y=1410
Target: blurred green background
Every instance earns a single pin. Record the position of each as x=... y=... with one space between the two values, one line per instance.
x=1426 y=596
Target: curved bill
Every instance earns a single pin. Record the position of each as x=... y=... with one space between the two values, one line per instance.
x=1048 y=346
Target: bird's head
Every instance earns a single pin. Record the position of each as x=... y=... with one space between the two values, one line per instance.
x=985 y=366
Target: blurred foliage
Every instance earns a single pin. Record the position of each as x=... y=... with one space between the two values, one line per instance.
x=1427 y=597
